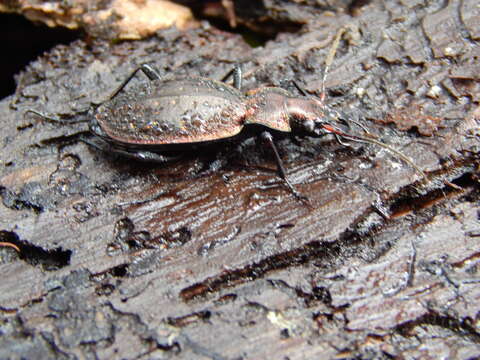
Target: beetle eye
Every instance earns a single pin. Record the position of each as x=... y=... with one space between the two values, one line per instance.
x=309 y=125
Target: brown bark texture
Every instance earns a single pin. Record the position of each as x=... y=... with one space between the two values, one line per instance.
x=127 y=260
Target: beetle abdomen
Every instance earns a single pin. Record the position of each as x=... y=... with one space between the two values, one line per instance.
x=174 y=112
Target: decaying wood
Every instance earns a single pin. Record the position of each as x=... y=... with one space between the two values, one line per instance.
x=125 y=260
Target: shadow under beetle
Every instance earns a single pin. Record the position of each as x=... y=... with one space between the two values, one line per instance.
x=154 y=120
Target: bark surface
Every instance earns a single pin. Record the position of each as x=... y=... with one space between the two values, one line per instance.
x=120 y=259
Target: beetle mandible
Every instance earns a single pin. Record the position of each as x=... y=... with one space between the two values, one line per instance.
x=154 y=120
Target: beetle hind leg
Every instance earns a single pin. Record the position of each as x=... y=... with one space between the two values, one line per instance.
x=138 y=155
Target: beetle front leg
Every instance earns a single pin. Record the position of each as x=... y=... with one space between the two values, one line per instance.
x=281 y=169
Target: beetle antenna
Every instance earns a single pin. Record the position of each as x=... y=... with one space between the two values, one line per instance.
x=399 y=154
x=358 y=138
x=329 y=59
x=10 y=244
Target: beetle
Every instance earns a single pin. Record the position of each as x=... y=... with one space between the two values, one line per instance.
x=165 y=116
x=154 y=121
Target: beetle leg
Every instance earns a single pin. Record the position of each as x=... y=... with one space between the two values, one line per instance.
x=148 y=156
x=299 y=88
x=281 y=169
x=236 y=72
x=52 y=119
x=146 y=69
x=142 y=155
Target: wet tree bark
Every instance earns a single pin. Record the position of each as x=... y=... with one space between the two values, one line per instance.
x=126 y=260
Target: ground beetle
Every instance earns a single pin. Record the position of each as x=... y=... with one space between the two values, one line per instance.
x=154 y=120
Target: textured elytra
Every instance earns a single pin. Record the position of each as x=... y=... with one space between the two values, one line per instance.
x=174 y=112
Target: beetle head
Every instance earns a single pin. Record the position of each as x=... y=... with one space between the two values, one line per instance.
x=313 y=117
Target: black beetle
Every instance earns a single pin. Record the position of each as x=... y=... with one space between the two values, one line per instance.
x=154 y=120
